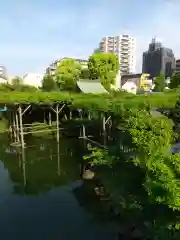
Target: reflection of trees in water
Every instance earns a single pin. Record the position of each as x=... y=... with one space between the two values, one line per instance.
x=86 y=197
x=38 y=169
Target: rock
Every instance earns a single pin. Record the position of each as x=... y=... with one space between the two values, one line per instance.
x=88 y=174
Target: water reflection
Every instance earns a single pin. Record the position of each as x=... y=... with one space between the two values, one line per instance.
x=43 y=195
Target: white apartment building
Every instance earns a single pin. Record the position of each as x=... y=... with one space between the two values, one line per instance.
x=33 y=79
x=124 y=46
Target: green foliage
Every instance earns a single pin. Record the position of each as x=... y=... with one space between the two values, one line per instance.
x=17 y=88
x=49 y=84
x=100 y=102
x=17 y=81
x=103 y=66
x=97 y=50
x=175 y=81
x=98 y=157
x=67 y=74
x=152 y=191
x=84 y=73
x=160 y=83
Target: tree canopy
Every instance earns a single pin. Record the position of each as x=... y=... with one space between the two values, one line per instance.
x=67 y=74
x=49 y=83
x=175 y=81
x=17 y=81
x=103 y=66
x=160 y=83
x=84 y=73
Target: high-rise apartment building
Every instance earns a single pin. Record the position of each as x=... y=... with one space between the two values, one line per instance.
x=124 y=47
x=158 y=59
x=177 y=70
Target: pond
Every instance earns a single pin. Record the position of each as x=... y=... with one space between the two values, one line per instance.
x=37 y=197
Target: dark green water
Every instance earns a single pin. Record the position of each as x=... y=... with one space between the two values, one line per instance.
x=37 y=199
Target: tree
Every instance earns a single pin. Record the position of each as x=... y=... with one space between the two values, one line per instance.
x=160 y=83
x=97 y=50
x=48 y=83
x=84 y=73
x=67 y=74
x=103 y=66
x=17 y=81
x=175 y=81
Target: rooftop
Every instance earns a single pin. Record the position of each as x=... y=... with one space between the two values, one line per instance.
x=91 y=86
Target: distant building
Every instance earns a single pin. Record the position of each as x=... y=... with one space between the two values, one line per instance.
x=130 y=86
x=158 y=59
x=124 y=47
x=142 y=81
x=177 y=66
x=3 y=74
x=52 y=67
x=33 y=79
x=131 y=77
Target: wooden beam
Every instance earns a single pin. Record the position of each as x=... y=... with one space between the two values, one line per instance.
x=107 y=119
x=41 y=131
x=59 y=110
x=26 y=110
x=96 y=143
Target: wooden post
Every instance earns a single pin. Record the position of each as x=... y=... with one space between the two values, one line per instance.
x=70 y=114
x=57 y=121
x=14 y=127
x=50 y=120
x=17 y=127
x=59 y=169
x=51 y=158
x=105 y=138
x=84 y=136
x=10 y=124
x=24 y=166
x=104 y=123
x=44 y=117
x=21 y=127
x=83 y=131
x=89 y=115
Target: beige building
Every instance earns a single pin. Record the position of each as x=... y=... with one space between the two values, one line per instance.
x=124 y=47
x=33 y=79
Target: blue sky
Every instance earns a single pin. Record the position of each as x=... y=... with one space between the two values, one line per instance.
x=36 y=32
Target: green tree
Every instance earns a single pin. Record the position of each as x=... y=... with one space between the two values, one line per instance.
x=97 y=50
x=17 y=81
x=84 y=73
x=49 y=83
x=103 y=66
x=175 y=81
x=67 y=74
x=160 y=82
